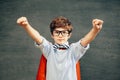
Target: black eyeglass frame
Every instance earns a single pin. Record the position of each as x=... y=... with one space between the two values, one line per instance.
x=63 y=32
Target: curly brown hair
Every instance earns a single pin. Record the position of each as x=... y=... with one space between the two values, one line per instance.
x=60 y=22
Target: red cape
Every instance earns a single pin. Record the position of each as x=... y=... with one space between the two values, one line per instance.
x=41 y=75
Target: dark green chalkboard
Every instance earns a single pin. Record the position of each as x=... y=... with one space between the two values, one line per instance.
x=19 y=58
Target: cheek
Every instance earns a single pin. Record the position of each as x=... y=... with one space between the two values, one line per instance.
x=53 y=37
x=66 y=39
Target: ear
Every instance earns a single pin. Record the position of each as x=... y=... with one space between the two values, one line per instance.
x=69 y=35
x=52 y=36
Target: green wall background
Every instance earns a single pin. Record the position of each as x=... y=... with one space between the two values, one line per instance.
x=19 y=58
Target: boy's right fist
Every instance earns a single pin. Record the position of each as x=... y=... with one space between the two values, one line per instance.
x=22 y=21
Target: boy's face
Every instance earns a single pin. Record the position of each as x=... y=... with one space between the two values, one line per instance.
x=61 y=35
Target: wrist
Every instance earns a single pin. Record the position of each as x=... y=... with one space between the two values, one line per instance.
x=26 y=26
x=95 y=30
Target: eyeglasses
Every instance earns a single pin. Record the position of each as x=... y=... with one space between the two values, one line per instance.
x=63 y=33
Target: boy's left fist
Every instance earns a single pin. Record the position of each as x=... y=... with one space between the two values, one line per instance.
x=97 y=24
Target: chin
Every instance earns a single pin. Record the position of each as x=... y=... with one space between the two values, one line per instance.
x=59 y=42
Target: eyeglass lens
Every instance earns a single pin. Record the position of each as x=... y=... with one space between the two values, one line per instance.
x=63 y=33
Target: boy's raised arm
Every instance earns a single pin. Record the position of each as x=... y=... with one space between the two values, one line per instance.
x=34 y=34
x=97 y=26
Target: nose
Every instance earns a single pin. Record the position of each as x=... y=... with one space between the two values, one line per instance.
x=60 y=35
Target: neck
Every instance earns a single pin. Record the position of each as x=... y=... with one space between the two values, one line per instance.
x=62 y=43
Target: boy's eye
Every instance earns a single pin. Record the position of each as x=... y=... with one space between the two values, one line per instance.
x=63 y=33
x=56 y=32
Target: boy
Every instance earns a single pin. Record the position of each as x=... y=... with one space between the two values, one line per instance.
x=61 y=56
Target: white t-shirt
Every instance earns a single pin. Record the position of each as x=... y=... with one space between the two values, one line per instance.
x=61 y=64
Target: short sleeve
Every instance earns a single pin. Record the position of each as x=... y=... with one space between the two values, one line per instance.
x=78 y=50
x=45 y=47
